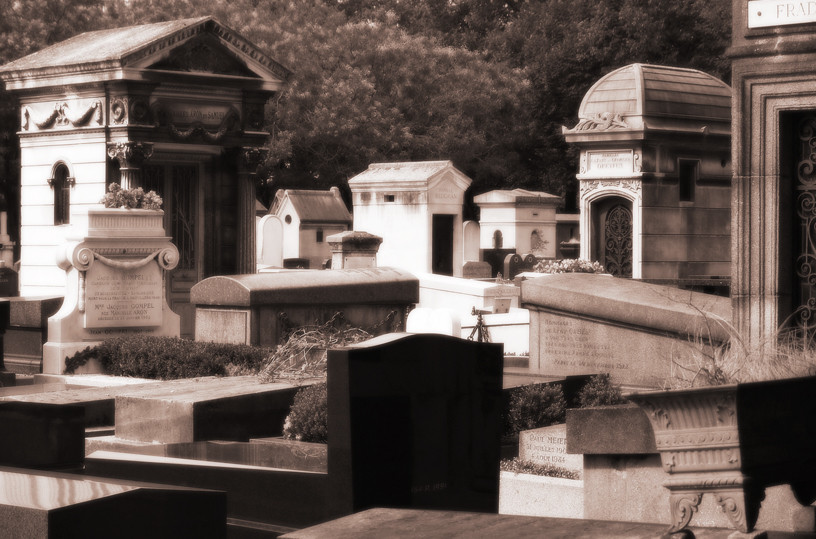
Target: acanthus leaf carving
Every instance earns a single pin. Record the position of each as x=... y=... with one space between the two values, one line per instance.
x=602 y=121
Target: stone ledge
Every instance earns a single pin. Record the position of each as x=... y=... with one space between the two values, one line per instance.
x=609 y=430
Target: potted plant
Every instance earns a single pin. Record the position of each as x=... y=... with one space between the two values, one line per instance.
x=127 y=212
x=744 y=422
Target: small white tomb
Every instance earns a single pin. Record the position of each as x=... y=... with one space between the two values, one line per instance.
x=417 y=209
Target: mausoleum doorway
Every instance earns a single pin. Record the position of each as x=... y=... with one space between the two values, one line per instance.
x=612 y=235
x=442 y=244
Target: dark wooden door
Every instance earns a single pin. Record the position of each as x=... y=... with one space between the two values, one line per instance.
x=442 y=244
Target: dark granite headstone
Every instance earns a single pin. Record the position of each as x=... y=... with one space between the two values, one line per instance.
x=495 y=257
x=516 y=263
x=38 y=435
x=415 y=421
x=296 y=263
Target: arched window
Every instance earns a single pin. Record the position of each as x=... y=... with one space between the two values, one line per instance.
x=61 y=183
x=498 y=240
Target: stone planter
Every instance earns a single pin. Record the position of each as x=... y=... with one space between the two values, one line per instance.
x=734 y=441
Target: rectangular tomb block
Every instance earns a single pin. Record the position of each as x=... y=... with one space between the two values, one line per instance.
x=415 y=421
x=123 y=297
x=49 y=504
x=233 y=408
x=39 y=435
x=547 y=446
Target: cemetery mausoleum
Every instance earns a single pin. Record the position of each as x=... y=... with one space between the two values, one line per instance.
x=655 y=174
x=176 y=107
x=417 y=209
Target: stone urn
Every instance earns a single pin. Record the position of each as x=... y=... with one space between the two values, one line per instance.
x=733 y=441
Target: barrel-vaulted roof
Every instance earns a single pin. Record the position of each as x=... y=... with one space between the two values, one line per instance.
x=120 y=53
x=644 y=97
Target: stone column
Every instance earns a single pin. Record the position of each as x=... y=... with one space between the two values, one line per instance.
x=131 y=156
x=250 y=159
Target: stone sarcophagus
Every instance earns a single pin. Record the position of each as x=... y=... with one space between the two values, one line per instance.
x=115 y=282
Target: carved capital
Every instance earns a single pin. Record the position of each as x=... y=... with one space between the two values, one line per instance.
x=130 y=154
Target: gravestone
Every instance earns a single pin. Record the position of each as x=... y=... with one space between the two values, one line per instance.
x=8 y=282
x=415 y=421
x=476 y=270
x=516 y=263
x=495 y=257
x=584 y=323
x=470 y=242
x=270 y=241
x=115 y=264
x=547 y=446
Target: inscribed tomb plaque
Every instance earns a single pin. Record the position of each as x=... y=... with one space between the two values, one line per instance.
x=547 y=446
x=605 y=163
x=123 y=298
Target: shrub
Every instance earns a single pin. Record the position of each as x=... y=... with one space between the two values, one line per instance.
x=308 y=418
x=568 y=265
x=168 y=358
x=533 y=406
x=599 y=391
x=303 y=355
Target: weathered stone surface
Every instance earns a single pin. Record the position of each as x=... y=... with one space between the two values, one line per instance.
x=48 y=504
x=586 y=323
x=476 y=270
x=380 y=522
x=547 y=446
x=231 y=408
x=269 y=496
x=609 y=430
x=540 y=496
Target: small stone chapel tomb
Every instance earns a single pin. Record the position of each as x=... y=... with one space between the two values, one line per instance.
x=518 y=219
x=176 y=107
x=655 y=174
x=417 y=210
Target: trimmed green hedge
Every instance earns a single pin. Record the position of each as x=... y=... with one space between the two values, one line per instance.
x=169 y=358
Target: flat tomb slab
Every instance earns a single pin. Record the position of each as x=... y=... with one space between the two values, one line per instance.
x=47 y=504
x=380 y=522
x=230 y=408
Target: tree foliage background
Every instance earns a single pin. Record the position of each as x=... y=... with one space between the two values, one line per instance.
x=485 y=83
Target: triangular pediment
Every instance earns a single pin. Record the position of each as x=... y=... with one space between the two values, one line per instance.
x=200 y=45
x=203 y=54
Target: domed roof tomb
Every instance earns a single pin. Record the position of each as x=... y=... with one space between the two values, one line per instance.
x=655 y=141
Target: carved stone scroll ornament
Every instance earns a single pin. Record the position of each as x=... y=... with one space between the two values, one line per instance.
x=61 y=116
x=683 y=507
x=602 y=121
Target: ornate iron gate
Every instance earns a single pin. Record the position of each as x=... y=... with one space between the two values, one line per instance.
x=805 y=193
x=617 y=232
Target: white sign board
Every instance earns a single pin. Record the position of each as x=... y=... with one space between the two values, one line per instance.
x=764 y=13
